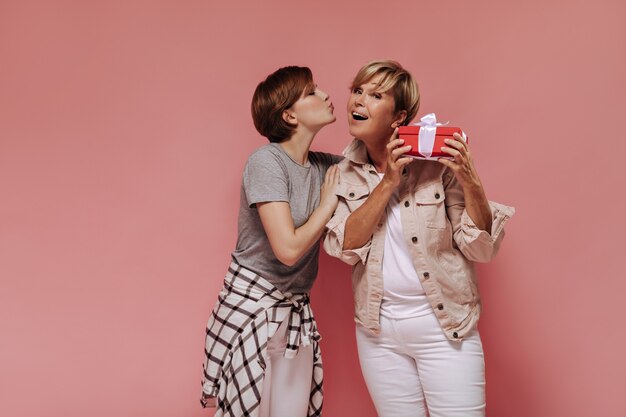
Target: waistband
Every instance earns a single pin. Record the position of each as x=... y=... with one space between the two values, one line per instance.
x=301 y=329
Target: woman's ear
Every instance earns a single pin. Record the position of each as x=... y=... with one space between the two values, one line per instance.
x=290 y=117
x=399 y=119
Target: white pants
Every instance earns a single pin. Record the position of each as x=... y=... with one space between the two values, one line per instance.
x=287 y=383
x=412 y=369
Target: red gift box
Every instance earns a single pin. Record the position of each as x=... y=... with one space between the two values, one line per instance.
x=410 y=134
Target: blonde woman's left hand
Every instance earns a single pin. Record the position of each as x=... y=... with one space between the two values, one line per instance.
x=463 y=164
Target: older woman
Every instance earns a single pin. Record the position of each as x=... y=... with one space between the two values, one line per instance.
x=412 y=229
x=262 y=352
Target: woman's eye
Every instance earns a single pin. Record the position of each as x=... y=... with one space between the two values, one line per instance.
x=377 y=96
x=356 y=91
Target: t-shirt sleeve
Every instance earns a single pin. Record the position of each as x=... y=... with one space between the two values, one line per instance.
x=265 y=179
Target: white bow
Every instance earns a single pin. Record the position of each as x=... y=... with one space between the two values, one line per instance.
x=428 y=130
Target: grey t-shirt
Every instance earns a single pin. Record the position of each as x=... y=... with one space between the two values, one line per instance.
x=271 y=175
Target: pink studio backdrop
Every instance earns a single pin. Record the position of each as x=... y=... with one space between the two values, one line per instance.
x=124 y=127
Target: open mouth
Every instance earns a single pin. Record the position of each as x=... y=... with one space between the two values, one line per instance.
x=358 y=116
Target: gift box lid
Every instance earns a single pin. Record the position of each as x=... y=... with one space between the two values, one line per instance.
x=441 y=130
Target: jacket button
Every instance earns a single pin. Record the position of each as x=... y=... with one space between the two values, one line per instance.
x=426 y=275
x=437 y=195
x=351 y=195
x=406 y=204
x=455 y=335
x=440 y=306
x=414 y=239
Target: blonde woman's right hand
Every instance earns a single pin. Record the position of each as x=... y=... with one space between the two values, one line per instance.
x=328 y=192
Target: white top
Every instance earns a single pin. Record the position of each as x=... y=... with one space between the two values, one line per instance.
x=403 y=295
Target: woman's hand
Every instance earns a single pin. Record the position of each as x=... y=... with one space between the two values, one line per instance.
x=463 y=164
x=395 y=161
x=328 y=192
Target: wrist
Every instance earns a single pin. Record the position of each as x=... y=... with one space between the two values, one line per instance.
x=474 y=189
x=329 y=204
x=387 y=184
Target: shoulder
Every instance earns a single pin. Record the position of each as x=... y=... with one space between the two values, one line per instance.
x=351 y=169
x=267 y=154
x=324 y=159
x=266 y=160
x=346 y=165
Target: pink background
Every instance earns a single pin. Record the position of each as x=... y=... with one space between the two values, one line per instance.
x=124 y=126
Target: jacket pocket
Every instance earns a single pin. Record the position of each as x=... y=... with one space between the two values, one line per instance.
x=354 y=195
x=431 y=207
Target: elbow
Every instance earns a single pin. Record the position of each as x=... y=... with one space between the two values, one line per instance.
x=481 y=256
x=478 y=247
x=288 y=261
x=287 y=257
x=349 y=244
x=482 y=259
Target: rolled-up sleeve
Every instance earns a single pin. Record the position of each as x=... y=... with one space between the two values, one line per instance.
x=334 y=237
x=478 y=245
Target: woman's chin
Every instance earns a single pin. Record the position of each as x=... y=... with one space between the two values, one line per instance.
x=359 y=133
x=331 y=119
x=354 y=131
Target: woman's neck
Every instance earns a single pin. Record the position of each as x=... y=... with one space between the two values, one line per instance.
x=377 y=153
x=297 y=146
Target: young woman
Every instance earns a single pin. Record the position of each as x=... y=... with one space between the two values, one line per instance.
x=412 y=229
x=262 y=352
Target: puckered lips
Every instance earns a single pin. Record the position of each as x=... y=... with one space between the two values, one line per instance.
x=359 y=116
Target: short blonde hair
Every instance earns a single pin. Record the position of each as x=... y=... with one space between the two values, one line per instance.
x=406 y=93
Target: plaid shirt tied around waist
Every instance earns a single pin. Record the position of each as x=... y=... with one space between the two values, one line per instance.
x=248 y=312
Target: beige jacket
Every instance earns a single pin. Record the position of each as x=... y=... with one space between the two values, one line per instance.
x=443 y=240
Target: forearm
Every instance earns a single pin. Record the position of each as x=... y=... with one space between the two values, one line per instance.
x=309 y=234
x=477 y=207
x=361 y=223
x=289 y=243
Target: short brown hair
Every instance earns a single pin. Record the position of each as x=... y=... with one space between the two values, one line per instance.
x=405 y=90
x=277 y=93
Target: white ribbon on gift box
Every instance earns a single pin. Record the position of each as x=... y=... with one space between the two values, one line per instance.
x=428 y=130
